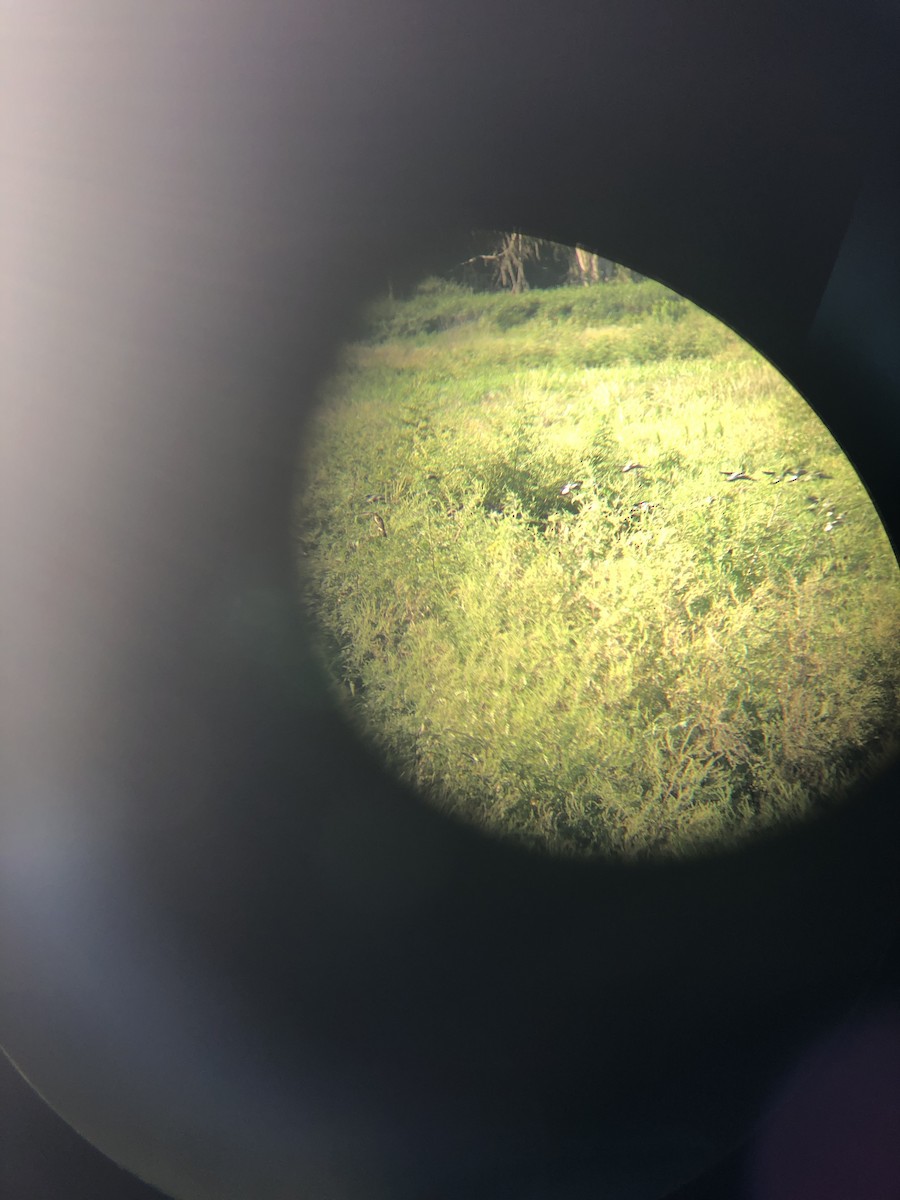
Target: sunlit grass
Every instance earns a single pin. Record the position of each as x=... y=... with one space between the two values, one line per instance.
x=658 y=658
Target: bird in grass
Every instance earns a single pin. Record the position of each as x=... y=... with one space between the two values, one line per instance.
x=734 y=476
x=826 y=506
x=568 y=488
x=644 y=507
x=834 y=522
x=792 y=474
x=379 y=524
x=632 y=466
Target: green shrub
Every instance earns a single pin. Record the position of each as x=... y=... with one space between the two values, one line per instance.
x=435 y=285
x=516 y=310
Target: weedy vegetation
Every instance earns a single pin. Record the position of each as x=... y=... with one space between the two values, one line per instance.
x=643 y=662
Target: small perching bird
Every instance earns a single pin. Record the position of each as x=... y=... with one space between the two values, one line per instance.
x=632 y=466
x=379 y=524
x=734 y=476
x=792 y=474
x=568 y=488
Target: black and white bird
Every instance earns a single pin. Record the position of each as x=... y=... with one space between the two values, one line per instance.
x=568 y=488
x=734 y=476
x=792 y=474
x=632 y=466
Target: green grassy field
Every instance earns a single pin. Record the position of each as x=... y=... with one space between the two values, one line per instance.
x=654 y=660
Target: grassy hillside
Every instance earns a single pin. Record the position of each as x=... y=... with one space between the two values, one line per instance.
x=642 y=662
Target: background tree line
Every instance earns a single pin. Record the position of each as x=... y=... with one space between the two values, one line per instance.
x=515 y=262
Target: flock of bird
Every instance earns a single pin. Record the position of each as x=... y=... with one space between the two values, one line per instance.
x=787 y=475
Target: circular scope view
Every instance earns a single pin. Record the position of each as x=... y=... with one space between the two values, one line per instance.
x=587 y=570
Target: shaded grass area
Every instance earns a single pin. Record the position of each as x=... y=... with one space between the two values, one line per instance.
x=658 y=658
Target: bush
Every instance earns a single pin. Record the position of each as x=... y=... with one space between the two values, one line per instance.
x=435 y=285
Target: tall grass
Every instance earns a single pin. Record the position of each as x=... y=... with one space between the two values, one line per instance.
x=653 y=661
